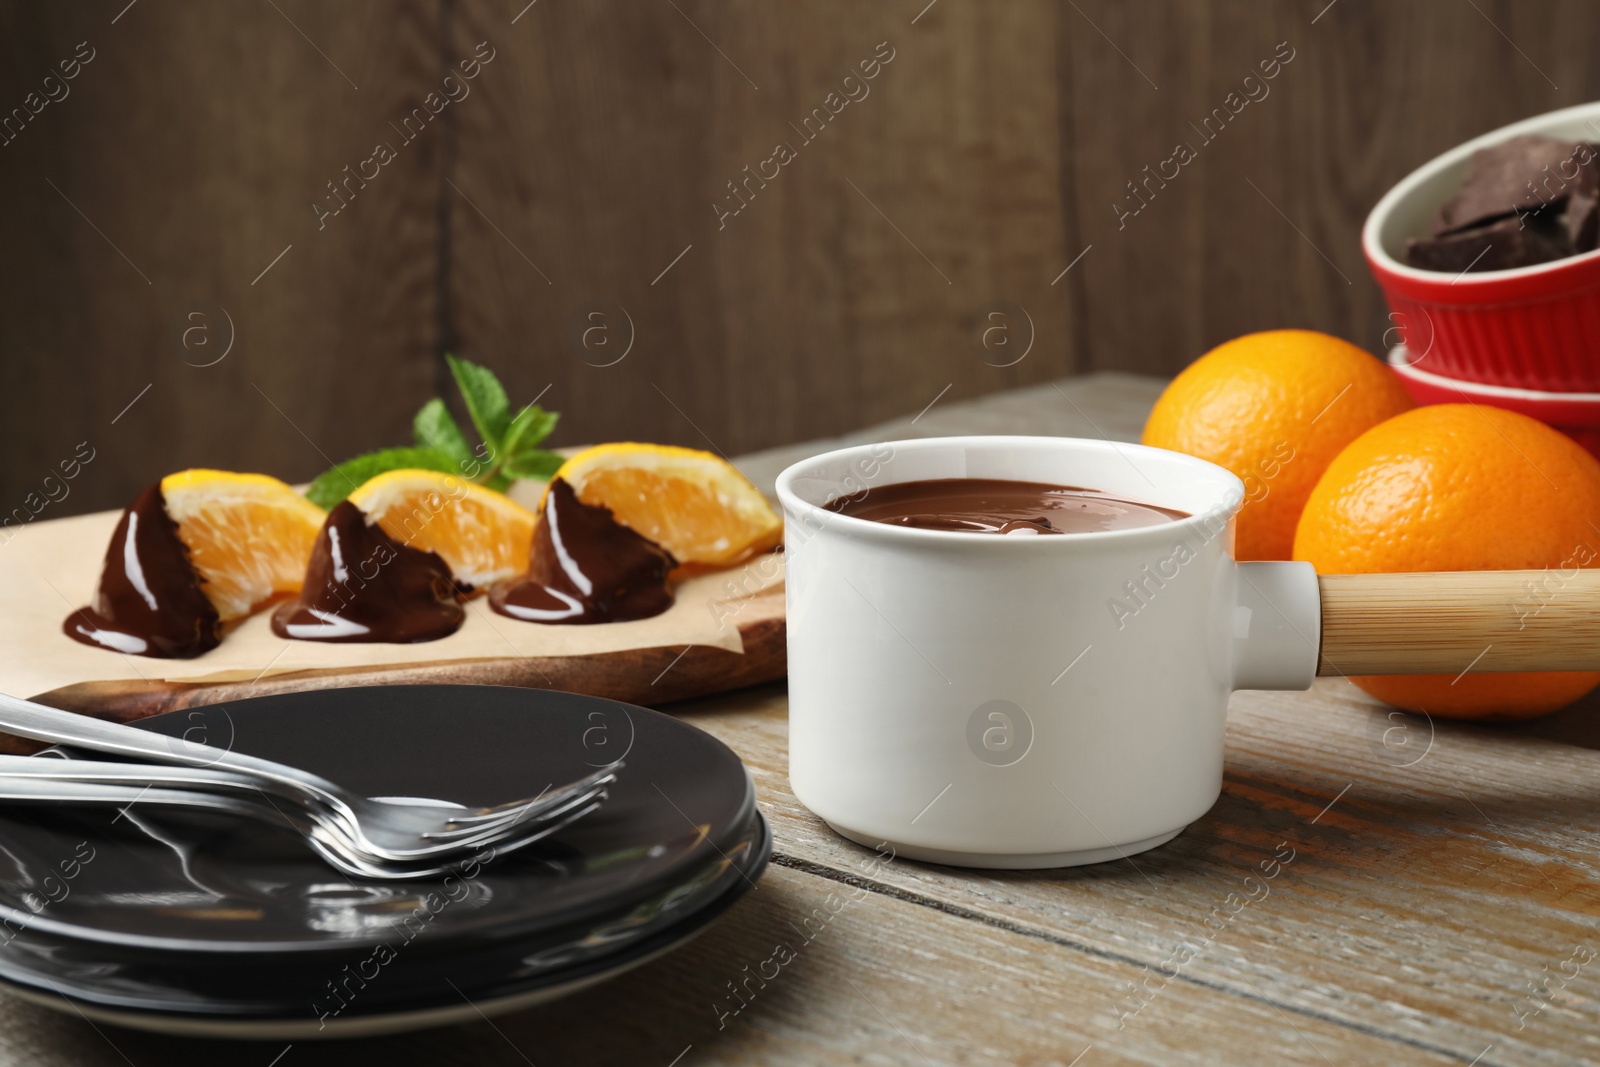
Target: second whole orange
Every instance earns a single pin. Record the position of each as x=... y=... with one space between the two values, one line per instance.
x=1274 y=408
x=1458 y=487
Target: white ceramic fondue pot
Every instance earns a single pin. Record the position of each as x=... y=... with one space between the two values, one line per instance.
x=995 y=701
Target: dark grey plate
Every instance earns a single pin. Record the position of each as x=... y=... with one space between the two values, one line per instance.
x=297 y=998
x=202 y=924
x=149 y=883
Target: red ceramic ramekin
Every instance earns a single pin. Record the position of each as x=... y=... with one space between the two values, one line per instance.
x=1575 y=414
x=1533 y=328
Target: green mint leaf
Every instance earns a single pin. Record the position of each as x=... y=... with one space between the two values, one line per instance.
x=523 y=456
x=534 y=463
x=531 y=425
x=435 y=428
x=332 y=486
x=485 y=397
x=499 y=483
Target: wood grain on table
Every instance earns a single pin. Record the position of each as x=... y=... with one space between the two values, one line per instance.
x=1371 y=888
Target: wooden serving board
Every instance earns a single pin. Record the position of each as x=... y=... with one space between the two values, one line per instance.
x=49 y=567
x=650 y=676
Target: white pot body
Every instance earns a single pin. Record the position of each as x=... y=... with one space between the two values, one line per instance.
x=1020 y=701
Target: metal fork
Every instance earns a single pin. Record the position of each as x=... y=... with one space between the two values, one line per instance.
x=152 y=779
x=382 y=831
x=467 y=830
x=331 y=846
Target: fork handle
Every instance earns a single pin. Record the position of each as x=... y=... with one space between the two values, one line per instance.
x=165 y=775
x=32 y=789
x=1450 y=622
x=27 y=719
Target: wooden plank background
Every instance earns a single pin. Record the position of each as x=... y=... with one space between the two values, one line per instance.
x=577 y=179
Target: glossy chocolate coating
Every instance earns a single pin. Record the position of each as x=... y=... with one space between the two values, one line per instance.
x=149 y=601
x=586 y=567
x=362 y=585
x=1000 y=506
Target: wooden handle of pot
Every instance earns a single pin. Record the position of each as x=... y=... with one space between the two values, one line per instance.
x=1456 y=621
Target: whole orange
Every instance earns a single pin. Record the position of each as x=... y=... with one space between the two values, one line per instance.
x=1274 y=408
x=1458 y=487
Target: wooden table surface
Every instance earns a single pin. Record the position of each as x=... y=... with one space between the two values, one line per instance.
x=1432 y=899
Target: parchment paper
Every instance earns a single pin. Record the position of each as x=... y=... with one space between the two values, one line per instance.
x=49 y=569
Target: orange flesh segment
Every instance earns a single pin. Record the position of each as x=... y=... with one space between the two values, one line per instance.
x=690 y=519
x=481 y=535
x=249 y=537
x=479 y=547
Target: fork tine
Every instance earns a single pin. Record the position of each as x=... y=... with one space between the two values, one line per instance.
x=504 y=847
x=527 y=812
x=605 y=774
x=463 y=838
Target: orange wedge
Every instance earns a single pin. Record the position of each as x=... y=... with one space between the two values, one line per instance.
x=694 y=504
x=481 y=535
x=249 y=535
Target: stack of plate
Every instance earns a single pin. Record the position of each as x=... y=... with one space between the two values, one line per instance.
x=195 y=924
